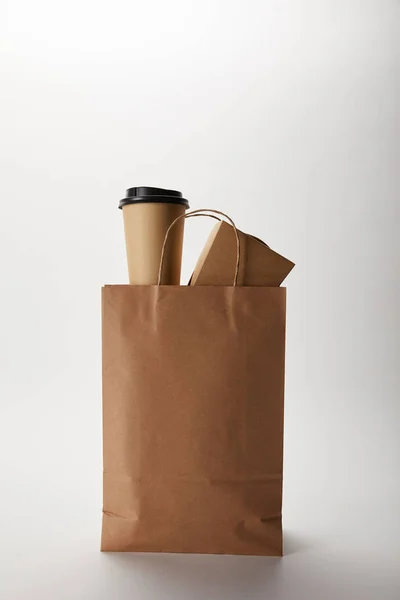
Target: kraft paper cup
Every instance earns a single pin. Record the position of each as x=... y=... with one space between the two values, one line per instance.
x=147 y=214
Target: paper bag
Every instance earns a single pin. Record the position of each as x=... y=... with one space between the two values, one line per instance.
x=193 y=383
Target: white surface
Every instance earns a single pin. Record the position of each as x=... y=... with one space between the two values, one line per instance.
x=283 y=114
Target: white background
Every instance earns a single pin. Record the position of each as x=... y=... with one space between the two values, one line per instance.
x=285 y=114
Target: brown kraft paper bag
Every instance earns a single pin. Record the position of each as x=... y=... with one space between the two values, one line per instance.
x=193 y=385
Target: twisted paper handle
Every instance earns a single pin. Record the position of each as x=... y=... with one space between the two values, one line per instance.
x=202 y=212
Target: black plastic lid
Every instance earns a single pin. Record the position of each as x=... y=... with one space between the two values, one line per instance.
x=151 y=194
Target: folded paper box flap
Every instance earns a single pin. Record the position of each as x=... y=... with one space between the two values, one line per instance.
x=259 y=265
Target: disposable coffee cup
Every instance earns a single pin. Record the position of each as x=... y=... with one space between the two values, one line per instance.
x=147 y=213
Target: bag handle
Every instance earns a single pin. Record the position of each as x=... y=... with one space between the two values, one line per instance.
x=202 y=212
